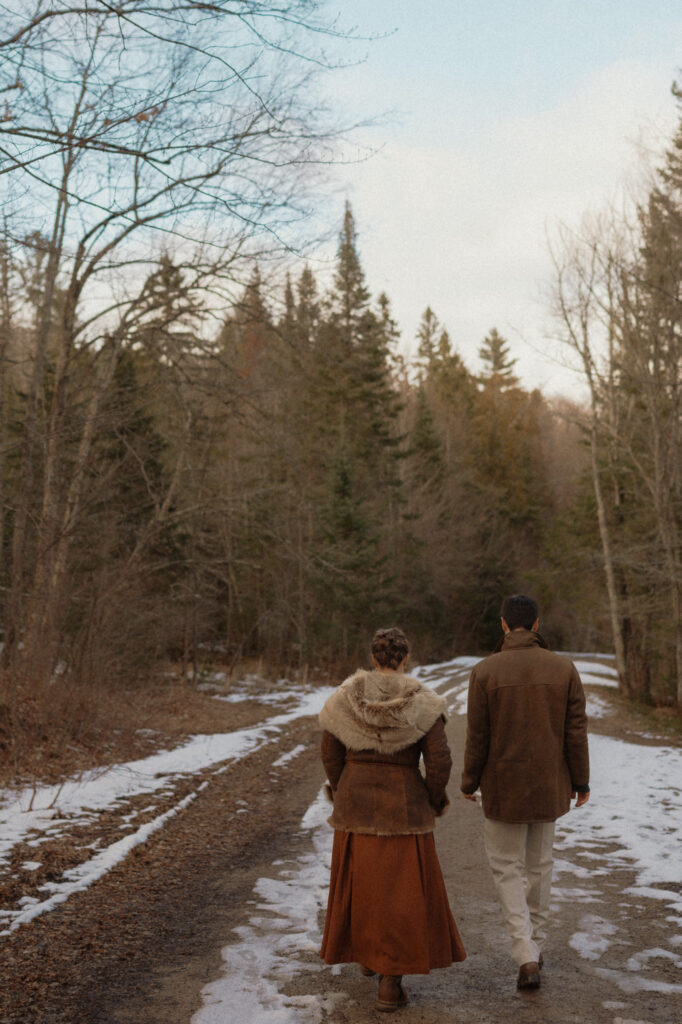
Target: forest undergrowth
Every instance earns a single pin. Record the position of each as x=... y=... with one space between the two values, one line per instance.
x=76 y=731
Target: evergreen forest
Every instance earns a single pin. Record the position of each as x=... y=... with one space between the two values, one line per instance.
x=185 y=479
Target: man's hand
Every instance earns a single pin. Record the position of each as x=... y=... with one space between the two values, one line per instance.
x=469 y=796
x=580 y=798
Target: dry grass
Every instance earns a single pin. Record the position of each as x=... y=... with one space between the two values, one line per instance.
x=72 y=730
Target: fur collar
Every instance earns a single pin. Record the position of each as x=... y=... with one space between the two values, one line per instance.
x=381 y=711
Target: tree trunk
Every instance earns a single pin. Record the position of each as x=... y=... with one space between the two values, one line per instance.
x=46 y=594
x=607 y=552
x=30 y=440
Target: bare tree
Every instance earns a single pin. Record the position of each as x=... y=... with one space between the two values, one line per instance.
x=582 y=305
x=649 y=325
x=618 y=300
x=130 y=129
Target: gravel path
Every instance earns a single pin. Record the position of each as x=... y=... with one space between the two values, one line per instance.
x=143 y=944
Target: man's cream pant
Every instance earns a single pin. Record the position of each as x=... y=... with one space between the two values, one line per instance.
x=520 y=858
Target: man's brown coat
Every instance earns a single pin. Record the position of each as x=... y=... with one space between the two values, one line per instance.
x=526 y=741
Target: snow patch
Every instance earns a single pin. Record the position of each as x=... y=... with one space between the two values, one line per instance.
x=593 y=672
x=79 y=878
x=636 y=806
x=628 y=1020
x=462 y=663
x=595 y=938
x=450 y=679
x=574 y=895
x=641 y=960
x=272 y=697
x=578 y=870
x=289 y=756
x=45 y=808
x=631 y=983
x=51 y=810
x=597 y=707
x=273 y=946
x=457 y=699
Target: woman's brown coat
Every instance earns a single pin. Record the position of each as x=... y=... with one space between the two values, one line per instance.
x=377 y=727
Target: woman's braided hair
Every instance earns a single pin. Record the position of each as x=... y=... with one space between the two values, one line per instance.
x=390 y=647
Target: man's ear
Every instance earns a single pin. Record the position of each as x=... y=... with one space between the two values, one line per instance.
x=505 y=627
x=535 y=625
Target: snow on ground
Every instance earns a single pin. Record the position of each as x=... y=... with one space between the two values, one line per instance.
x=450 y=679
x=636 y=804
x=597 y=707
x=463 y=663
x=271 y=949
x=633 y=821
x=288 y=756
x=595 y=939
x=250 y=688
x=596 y=674
x=79 y=878
x=46 y=812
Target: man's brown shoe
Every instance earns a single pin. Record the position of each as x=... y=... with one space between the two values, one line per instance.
x=391 y=995
x=529 y=975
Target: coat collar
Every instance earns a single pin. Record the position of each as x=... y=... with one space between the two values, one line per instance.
x=519 y=638
x=381 y=711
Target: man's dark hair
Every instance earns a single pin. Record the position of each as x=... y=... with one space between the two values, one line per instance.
x=519 y=611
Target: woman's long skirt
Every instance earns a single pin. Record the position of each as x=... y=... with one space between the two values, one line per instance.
x=388 y=908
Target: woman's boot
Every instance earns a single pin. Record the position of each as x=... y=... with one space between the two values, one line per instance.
x=391 y=994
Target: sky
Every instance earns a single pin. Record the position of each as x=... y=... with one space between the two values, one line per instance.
x=494 y=122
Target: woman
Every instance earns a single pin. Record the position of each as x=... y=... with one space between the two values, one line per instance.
x=388 y=909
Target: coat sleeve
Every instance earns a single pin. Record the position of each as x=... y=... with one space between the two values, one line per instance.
x=333 y=755
x=437 y=765
x=478 y=736
x=575 y=735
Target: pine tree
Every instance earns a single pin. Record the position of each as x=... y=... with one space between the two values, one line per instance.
x=288 y=322
x=499 y=366
x=307 y=309
x=350 y=292
x=428 y=339
x=353 y=409
x=426 y=451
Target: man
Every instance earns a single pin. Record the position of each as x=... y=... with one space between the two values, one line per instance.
x=526 y=747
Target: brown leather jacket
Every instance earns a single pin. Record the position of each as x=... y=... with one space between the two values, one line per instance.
x=385 y=794
x=526 y=732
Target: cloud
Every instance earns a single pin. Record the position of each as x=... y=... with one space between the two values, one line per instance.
x=462 y=226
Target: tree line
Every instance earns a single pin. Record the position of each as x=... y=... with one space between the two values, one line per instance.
x=279 y=488
x=196 y=464
x=618 y=302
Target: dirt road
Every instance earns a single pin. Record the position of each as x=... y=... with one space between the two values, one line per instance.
x=141 y=946
x=482 y=989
